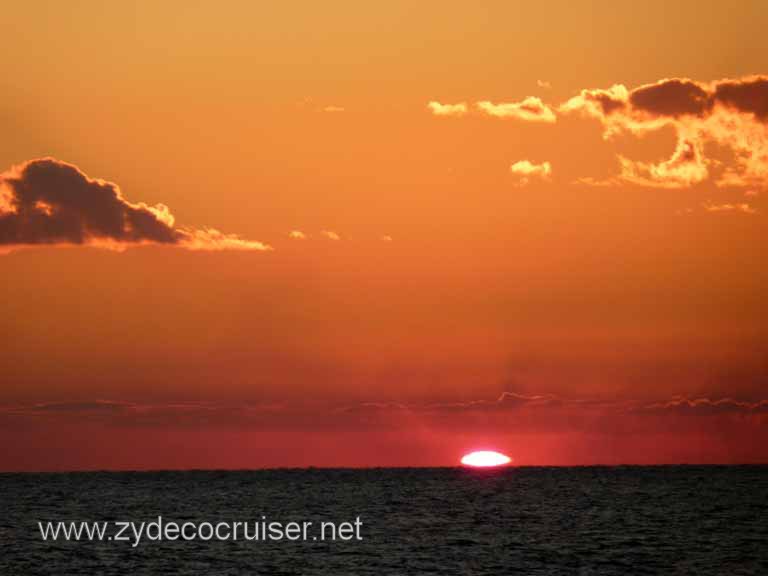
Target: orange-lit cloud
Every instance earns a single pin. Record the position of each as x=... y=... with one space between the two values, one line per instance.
x=439 y=109
x=686 y=167
x=330 y=234
x=297 y=235
x=731 y=113
x=531 y=109
x=599 y=102
x=525 y=170
x=49 y=202
x=211 y=239
x=739 y=208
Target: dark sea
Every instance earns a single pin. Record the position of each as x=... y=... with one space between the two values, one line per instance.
x=585 y=520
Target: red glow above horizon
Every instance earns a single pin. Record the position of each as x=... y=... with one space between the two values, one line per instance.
x=485 y=459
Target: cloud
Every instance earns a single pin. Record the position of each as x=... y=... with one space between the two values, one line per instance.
x=439 y=109
x=121 y=413
x=508 y=413
x=748 y=95
x=732 y=113
x=506 y=401
x=674 y=98
x=597 y=103
x=92 y=406
x=211 y=239
x=597 y=182
x=707 y=406
x=49 y=202
x=686 y=167
x=333 y=109
x=297 y=235
x=386 y=238
x=531 y=109
x=525 y=170
x=740 y=208
x=543 y=84
x=330 y=234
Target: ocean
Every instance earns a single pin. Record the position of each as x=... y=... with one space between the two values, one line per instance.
x=516 y=520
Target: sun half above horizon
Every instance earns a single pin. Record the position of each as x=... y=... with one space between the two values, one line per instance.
x=485 y=459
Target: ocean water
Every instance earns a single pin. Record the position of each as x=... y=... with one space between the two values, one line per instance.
x=586 y=520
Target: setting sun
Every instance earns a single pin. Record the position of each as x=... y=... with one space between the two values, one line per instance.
x=485 y=459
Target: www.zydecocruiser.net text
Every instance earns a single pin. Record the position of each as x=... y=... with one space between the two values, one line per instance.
x=162 y=530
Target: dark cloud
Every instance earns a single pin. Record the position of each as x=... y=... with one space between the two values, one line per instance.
x=749 y=95
x=46 y=201
x=607 y=103
x=671 y=98
x=53 y=202
x=731 y=113
x=677 y=97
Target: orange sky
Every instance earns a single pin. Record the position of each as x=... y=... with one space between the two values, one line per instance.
x=510 y=201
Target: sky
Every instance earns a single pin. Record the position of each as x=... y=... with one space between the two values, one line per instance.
x=244 y=235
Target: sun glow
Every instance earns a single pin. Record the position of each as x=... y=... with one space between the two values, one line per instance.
x=485 y=459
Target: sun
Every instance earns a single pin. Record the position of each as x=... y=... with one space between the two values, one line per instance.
x=485 y=459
